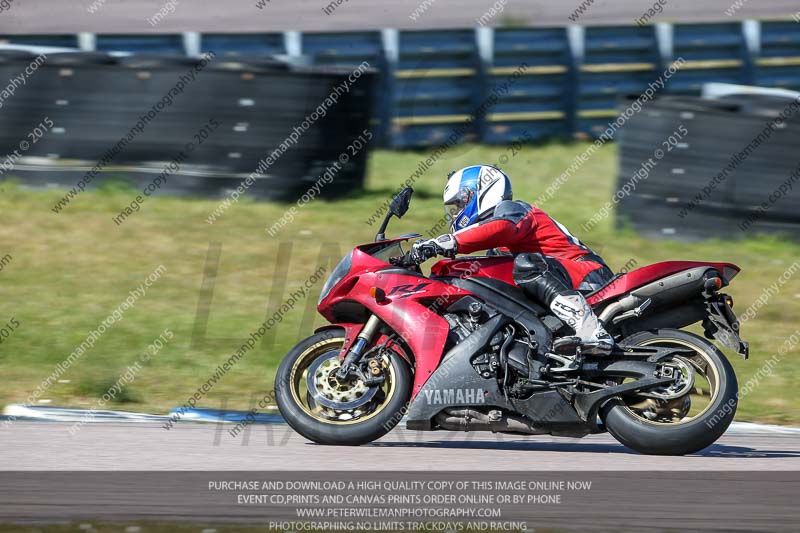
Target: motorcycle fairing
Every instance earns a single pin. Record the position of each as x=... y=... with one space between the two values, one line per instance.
x=679 y=300
x=649 y=273
x=351 y=330
x=495 y=267
x=457 y=384
x=408 y=314
x=511 y=301
x=501 y=268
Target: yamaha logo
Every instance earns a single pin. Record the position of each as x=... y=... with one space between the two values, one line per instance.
x=454 y=396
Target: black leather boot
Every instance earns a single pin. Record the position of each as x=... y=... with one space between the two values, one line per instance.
x=549 y=286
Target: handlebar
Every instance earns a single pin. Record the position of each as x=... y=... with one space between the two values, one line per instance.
x=406 y=260
x=421 y=252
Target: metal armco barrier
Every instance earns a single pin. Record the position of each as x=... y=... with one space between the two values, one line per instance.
x=712 y=52
x=537 y=105
x=236 y=45
x=140 y=44
x=435 y=87
x=735 y=172
x=617 y=61
x=164 y=104
x=778 y=62
x=66 y=41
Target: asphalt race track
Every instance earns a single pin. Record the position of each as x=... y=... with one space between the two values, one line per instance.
x=192 y=446
x=123 y=472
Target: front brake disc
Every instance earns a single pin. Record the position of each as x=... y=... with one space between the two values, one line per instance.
x=327 y=390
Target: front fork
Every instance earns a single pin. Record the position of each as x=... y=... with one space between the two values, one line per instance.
x=363 y=339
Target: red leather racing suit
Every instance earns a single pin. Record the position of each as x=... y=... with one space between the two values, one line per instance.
x=522 y=228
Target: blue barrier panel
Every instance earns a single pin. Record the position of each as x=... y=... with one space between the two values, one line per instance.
x=531 y=77
x=344 y=49
x=778 y=63
x=711 y=53
x=243 y=44
x=618 y=61
x=141 y=44
x=350 y=49
x=66 y=41
x=435 y=88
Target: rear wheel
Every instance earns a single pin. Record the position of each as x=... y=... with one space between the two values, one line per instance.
x=683 y=418
x=326 y=410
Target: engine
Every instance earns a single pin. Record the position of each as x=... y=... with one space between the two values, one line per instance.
x=511 y=356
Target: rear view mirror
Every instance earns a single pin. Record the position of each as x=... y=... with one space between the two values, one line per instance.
x=398 y=208
x=400 y=203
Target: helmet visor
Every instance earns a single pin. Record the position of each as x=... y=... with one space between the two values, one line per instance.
x=454 y=208
x=451 y=211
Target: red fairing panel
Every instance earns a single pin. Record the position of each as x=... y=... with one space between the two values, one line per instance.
x=500 y=268
x=642 y=276
x=351 y=331
x=405 y=310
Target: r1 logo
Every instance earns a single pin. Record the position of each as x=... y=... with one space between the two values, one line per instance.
x=402 y=291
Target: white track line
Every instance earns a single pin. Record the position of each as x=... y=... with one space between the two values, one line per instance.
x=60 y=414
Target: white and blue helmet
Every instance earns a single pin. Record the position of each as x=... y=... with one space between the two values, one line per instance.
x=473 y=192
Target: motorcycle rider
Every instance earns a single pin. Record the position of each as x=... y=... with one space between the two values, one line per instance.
x=551 y=265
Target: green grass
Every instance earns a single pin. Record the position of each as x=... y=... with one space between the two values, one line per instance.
x=70 y=270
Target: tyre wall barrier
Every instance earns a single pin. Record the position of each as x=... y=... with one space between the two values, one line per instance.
x=235 y=114
x=735 y=171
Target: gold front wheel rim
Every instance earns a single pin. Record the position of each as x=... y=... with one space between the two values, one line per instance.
x=302 y=398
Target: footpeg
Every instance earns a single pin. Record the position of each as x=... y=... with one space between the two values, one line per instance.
x=574 y=345
x=598 y=348
x=566 y=363
x=566 y=345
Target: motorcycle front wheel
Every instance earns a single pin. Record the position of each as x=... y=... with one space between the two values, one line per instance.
x=323 y=409
x=684 y=420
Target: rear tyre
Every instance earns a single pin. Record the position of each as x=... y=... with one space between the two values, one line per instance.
x=675 y=429
x=325 y=411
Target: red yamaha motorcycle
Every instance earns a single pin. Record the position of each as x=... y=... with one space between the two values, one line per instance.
x=465 y=350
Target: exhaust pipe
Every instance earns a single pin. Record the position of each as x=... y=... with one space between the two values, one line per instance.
x=464 y=419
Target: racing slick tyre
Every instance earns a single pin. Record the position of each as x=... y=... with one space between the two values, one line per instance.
x=320 y=407
x=678 y=422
